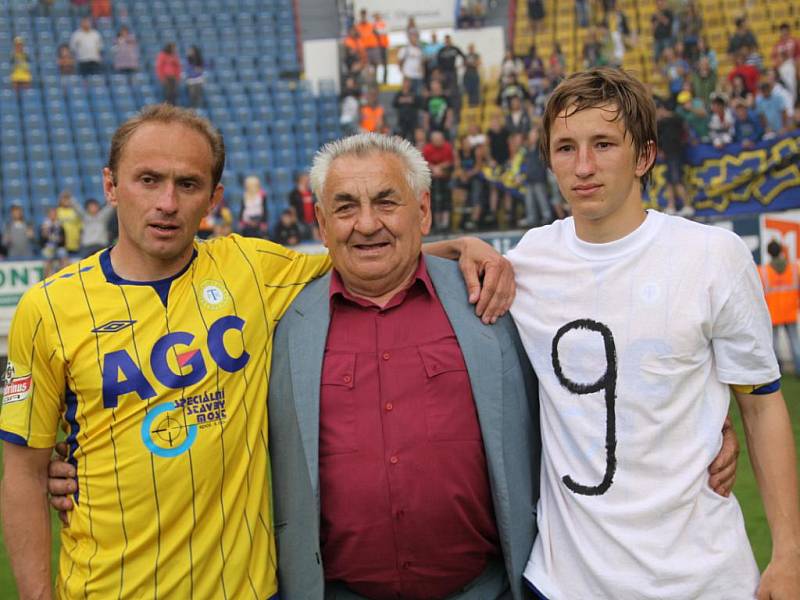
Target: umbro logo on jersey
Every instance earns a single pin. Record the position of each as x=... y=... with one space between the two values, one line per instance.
x=113 y=326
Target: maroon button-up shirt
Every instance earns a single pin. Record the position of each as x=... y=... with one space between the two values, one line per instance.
x=406 y=506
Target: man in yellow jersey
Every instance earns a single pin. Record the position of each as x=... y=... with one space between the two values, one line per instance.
x=153 y=354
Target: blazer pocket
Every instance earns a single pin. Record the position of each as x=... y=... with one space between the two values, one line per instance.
x=450 y=413
x=337 y=405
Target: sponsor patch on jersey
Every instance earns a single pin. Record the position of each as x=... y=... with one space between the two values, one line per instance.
x=213 y=295
x=17 y=389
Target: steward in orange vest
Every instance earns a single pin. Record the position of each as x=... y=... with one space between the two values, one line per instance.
x=781 y=289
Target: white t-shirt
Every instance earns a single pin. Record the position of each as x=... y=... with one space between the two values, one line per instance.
x=412 y=58
x=648 y=329
x=86 y=45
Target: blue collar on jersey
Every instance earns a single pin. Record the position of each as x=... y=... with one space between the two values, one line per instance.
x=161 y=286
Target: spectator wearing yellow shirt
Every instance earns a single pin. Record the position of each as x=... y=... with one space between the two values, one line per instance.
x=20 y=66
x=70 y=219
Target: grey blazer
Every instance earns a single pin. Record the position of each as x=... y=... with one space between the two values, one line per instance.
x=505 y=391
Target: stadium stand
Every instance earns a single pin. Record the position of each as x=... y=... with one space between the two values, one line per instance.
x=55 y=134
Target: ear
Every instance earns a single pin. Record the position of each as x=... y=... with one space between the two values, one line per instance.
x=216 y=198
x=322 y=219
x=109 y=189
x=425 y=212
x=646 y=158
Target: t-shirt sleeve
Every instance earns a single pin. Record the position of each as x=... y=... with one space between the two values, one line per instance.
x=742 y=330
x=286 y=272
x=34 y=384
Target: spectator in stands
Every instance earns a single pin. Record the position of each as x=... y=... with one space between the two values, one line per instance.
x=467 y=182
x=411 y=27
x=534 y=69
x=287 y=231
x=94 y=233
x=195 y=76
x=620 y=35
x=86 y=45
x=438 y=115
x=748 y=129
x=407 y=105
x=707 y=52
x=71 y=221
x=593 y=49
x=748 y=72
x=738 y=89
x=538 y=211
x=721 y=126
x=101 y=9
x=382 y=33
x=782 y=290
x=472 y=76
x=412 y=63
x=773 y=111
x=662 y=22
x=446 y=62
x=253 y=216
x=125 y=52
x=557 y=63
x=773 y=77
x=787 y=46
x=20 y=66
x=65 y=60
x=217 y=222
x=350 y=116
x=168 y=71
x=431 y=52
x=439 y=154
x=511 y=181
x=742 y=37
x=693 y=112
x=355 y=56
x=753 y=57
x=301 y=200
x=18 y=235
x=498 y=141
x=671 y=134
x=583 y=12
x=675 y=69
x=785 y=76
x=420 y=138
x=372 y=113
x=512 y=67
x=535 y=15
x=511 y=89
x=79 y=7
x=690 y=28
x=704 y=81
x=369 y=40
x=518 y=120
x=51 y=236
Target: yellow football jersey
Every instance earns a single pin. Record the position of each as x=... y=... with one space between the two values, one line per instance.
x=161 y=388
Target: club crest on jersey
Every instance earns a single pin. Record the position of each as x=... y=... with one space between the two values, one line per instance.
x=15 y=389
x=213 y=294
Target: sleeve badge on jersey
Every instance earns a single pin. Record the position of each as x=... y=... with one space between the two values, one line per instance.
x=16 y=389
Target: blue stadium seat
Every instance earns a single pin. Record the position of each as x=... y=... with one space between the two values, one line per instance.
x=40 y=169
x=35 y=136
x=37 y=152
x=15 y=188
x=13 y=169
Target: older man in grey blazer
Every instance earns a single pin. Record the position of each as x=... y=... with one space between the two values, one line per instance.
x=403 y=432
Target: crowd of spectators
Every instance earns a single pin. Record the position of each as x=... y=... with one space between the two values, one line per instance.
x=493 y=178
x=84 y=55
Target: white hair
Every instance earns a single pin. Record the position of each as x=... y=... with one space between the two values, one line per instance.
x=418 y=174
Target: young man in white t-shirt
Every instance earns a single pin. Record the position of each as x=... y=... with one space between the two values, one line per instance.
x=638 y=324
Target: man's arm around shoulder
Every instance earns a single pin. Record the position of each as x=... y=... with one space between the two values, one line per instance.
x=26 y=518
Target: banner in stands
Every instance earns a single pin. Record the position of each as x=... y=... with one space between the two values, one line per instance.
x=427 y=13
x=763 y=178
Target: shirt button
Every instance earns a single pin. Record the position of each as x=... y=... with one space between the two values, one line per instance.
x=386 y=356
x=394 y=460
x=406 y=565
x=389 y=406
x=347 y=379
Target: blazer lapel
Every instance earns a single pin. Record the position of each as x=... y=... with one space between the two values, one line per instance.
x=307 y=347
x=481 y=351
